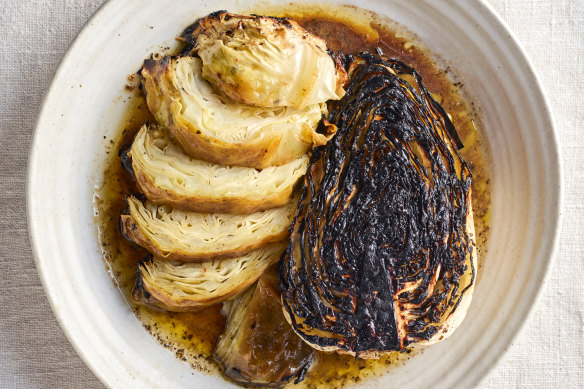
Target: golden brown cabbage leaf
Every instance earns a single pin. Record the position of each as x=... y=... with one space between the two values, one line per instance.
x=190 y=286
x=167 y=176
x=210 y=127
x=265 y=61
x=175 y=234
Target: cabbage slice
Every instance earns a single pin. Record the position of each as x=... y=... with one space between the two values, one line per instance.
x=211 y=127
x=167 y=176
x=174 y=234
x=265 y=61
x=190 y=286
x=258 y=347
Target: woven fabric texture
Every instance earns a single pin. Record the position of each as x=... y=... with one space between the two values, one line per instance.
x=34 y=353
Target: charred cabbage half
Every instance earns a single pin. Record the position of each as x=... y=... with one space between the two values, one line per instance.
x=210 y=127
x=167 y=176
x=265 y=61
x=191 y=286
x=382 y=252
x=175 y=234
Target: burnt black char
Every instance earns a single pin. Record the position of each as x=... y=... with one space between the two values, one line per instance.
x=384 y=203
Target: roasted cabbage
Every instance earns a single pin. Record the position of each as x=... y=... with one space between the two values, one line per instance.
x=211 y=128
x=190 y=286
x=382 y=252
x=175 y=234
x=265 y=61
x=167 y=176
x=258 y=347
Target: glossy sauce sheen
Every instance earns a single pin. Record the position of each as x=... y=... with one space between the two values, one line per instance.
x=192 y=336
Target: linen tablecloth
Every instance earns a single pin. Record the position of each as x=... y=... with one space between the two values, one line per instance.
x=34 y=353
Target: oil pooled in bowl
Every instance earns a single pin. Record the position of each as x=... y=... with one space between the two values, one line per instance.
x=192 y=335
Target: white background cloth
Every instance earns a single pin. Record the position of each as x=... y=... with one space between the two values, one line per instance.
x=34 y=353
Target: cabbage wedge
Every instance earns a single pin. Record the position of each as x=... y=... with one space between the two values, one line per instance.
x=382 y=254
x=167 y=176
x=210 y=127
x=190 y=286
x=174 y=234
x=265 y=61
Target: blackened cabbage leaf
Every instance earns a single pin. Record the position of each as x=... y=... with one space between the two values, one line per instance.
x=382 y=251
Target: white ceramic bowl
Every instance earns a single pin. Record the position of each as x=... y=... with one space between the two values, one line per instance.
x=83 y=105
